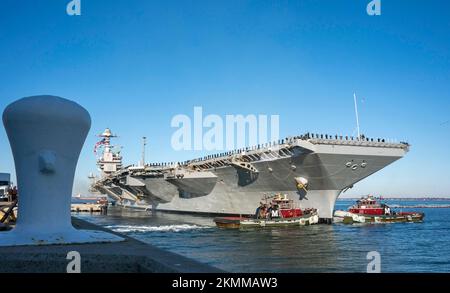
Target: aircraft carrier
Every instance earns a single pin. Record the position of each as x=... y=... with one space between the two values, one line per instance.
x=311 y=169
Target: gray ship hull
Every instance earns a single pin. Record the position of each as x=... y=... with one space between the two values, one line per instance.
x=328 y=175
x=223 y=186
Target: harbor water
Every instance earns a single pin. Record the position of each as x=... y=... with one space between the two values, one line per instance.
x=403 y=247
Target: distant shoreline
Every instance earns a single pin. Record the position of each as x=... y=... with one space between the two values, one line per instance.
x=402 y=198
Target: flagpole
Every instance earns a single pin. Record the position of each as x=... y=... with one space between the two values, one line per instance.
x=356 y=113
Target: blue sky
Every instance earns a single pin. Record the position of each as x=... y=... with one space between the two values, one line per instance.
x=136 y=64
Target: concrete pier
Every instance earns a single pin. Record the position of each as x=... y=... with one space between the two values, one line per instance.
x=129 y=256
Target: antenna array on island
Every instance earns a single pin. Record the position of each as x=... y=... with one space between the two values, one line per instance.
x=357 y=118
x=144 y=143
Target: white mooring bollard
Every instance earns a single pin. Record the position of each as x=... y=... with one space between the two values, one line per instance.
x=46 y=134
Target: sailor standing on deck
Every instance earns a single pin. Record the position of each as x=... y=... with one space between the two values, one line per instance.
x=387 y=210
x=269 y=212
x=275 y=213
x=260 y=210
x=12 y=194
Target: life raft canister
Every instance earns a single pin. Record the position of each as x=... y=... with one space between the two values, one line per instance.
x=301 y=183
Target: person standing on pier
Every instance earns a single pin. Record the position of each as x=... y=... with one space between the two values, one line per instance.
x=12 y=194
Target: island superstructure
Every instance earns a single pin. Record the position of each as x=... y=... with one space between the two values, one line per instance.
x=312 y=169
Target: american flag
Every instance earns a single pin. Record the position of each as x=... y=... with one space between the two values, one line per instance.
x=98 y=144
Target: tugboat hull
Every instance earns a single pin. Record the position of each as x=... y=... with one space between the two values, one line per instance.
x=350 y=218
x=243 y=223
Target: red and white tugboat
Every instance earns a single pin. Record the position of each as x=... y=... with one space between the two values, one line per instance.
x=368 y=210
x=280 y=211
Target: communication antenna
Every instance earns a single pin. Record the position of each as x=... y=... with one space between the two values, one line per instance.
x=144 y=143
x=357 y=118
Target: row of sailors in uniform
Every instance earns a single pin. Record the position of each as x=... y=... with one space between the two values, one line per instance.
x=259 y=146
x=339 y=137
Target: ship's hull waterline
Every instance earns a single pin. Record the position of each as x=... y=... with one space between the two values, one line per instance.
x=220 y=186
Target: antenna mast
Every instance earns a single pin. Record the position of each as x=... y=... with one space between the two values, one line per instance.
x=144 y=143
x=356 y=113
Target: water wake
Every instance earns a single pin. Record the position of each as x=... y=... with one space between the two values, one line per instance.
x=164 y=228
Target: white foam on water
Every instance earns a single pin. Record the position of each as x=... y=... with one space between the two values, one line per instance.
x=164 y=228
